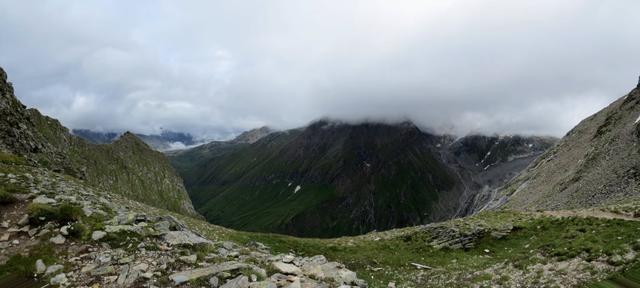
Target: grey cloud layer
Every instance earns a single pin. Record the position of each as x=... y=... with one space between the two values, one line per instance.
x=215 y=67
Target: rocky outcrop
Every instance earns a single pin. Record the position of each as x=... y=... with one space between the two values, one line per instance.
x=596 y=163
x=252 y=136
x=128 y=166
x=104 y=239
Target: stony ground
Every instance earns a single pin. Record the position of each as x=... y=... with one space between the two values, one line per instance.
x=57 y=230
x=66 y=234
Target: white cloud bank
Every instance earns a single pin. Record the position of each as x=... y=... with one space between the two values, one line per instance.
x=215 y=67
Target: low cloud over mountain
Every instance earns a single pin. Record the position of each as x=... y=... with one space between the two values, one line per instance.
x=216 y=68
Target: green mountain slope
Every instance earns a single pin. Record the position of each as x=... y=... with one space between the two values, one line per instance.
x=332 y=178
x=327 y=179
x=128 y=166
x=596 y=163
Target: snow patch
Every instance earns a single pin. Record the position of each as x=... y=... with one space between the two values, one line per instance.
x=297 y=189
x=637 y=120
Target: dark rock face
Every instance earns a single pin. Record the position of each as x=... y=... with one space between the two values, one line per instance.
x=128 y=166
x=334 y=179
x=14 y=128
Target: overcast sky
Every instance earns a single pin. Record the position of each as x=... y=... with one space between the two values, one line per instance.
x=217 y=67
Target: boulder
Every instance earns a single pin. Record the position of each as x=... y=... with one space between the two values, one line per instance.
x=238 y=282
x=184 y=238
x=185 y=276
x=263 y=284
x=97 y=235
x=40 y=267
x=191 y=259
x=59 y=279
x=53 y=269
x=286 y=268
x=58 y=240
x=214 y=282
x=43 y=200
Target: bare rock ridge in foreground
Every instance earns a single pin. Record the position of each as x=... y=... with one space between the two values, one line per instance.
x=128 y=166
x=80 y=236
x=596 y=163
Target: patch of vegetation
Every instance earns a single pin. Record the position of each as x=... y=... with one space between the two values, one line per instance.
x=12 y=188
x=94 y=222
x=253 y=187
x=124 y=239
x=79 y=231
x=534 y=240
x=63 y=214
x=24 y=264
x=11 y=159
x=6 y=197
x=248 y=272
x=628 y=278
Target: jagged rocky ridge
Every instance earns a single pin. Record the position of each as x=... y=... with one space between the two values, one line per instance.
x=596 y=163
x=73 y=235
x=371 y=176
x=128 y=166
x=165 y=141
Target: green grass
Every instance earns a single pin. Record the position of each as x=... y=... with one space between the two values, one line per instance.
x=11 y=159
x=24 y=264
x=6 y=197
x=63 y=214
x=554 y=239
x=350 y=171
x=629 y=278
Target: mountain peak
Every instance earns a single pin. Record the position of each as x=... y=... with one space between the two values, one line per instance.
x=253 y=135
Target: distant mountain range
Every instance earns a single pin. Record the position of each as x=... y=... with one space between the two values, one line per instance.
x=332 y=178
x=165 y=141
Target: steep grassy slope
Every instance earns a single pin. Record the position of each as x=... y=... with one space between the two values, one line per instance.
x=327 y=179
x=128 y=166
x=597 y=162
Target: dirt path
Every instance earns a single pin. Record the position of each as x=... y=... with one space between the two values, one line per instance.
x=588 y=213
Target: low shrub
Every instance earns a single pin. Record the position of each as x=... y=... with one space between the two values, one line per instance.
x=64 y=214
x=6 y=197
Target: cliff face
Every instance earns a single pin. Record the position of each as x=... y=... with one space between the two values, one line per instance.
x=596 y=163
x=127 y=167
